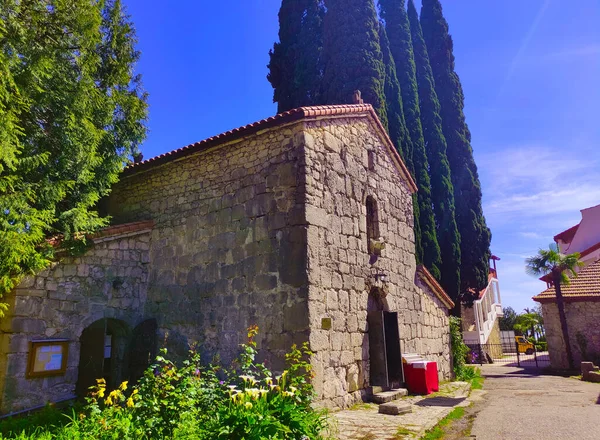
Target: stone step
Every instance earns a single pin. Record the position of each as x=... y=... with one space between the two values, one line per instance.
x=395 y=408
x=388 y=396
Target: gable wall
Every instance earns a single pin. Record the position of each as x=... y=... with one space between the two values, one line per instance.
x=338 y=182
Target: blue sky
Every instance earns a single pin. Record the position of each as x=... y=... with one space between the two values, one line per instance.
x=530 y=70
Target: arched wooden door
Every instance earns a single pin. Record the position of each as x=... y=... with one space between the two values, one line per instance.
x=142 y=349
x=102 y=354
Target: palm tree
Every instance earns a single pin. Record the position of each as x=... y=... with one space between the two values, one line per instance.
x=558 y=265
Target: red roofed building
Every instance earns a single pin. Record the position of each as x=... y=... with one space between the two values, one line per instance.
x=301 y=223
x=582 y=295
x=582 y=309
x=584 y=238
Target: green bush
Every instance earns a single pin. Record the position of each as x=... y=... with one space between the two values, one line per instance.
x=201 y=402
x=459 y=349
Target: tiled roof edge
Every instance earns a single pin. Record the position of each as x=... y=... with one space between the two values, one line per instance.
x=125 y=228
x=273 y=121
x=437 y=289
x=567 y=234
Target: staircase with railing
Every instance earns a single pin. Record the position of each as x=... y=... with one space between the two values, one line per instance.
x=486 y=310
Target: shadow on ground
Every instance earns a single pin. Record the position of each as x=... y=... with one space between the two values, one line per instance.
x=441 y=401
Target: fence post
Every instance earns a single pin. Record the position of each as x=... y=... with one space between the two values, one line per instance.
x=480 y=355
x=518 y=357
x=535 y=355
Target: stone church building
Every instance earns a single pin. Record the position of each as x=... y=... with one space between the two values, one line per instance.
x=301 y=223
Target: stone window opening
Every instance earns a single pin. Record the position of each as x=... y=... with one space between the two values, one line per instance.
x=371 y=160
x=374 y=242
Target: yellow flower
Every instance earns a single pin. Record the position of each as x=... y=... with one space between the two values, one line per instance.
x=123 y=386
x=108 y=401
x=135 y=391
x=100 y=381
x=248 y=405
x=114 y=394
x=130 y=403
x=101 y=392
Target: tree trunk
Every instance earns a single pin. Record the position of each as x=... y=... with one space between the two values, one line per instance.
x=560 y=303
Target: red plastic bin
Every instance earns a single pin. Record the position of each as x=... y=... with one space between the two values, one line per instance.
x=421 y=377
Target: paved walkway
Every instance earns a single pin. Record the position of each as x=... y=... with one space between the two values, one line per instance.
x=364 y=422
x=522 y=405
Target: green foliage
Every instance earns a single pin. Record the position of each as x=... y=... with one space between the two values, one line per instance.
x=552 y=261
x=528 y=324
x=426 y=235
x=442 y=190
x=438 y=432
x=427 y=249
x=49 y=416
x=508 y=320
x=475 y=237
x=459 y=349
x=201 y=402
x=71 y=113
x=352 y=54
x=295 y=66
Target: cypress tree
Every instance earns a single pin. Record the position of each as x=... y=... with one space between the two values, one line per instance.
x=474 y=233
x=393 y=104
x=426 y=243
x=352 y=54
x=435 y=142
x=295 y=69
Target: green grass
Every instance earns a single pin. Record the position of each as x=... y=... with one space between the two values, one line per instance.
x=438 y=431
x=363 y=407
x=473 y=376
x=403 y=433
x=49 y=418
x=477 y=383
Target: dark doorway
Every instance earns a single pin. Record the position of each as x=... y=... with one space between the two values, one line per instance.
x=103 y=353
x=142 y=349
x=384 y=350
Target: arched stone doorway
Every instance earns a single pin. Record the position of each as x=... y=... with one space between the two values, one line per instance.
x=103 y=354
x=385 y=358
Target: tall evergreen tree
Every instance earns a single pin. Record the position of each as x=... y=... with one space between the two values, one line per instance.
x=352 y=54
x=393 y=104
x=295 y=69
x=435 y=143
x=427 y=248
x=71 y=113
x=474 y=233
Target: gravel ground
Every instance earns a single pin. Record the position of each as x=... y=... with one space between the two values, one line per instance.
x=520 y=404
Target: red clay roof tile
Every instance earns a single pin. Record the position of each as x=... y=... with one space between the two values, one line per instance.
x=585 y=286
x=273 y=121
x=437 y=289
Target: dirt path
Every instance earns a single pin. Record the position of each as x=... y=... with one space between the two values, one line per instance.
x=521 y=405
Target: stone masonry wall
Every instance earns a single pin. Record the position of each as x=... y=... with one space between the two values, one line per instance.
x=338 y=181
x=228 y=248
x=59 y=303
x=583 y=318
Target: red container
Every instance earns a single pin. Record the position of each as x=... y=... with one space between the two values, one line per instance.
x=421 y=377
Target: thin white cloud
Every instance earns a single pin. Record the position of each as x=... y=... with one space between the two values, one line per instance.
x=531 y=193
x=567 y=54
x=539 y=182
x=531 y=235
